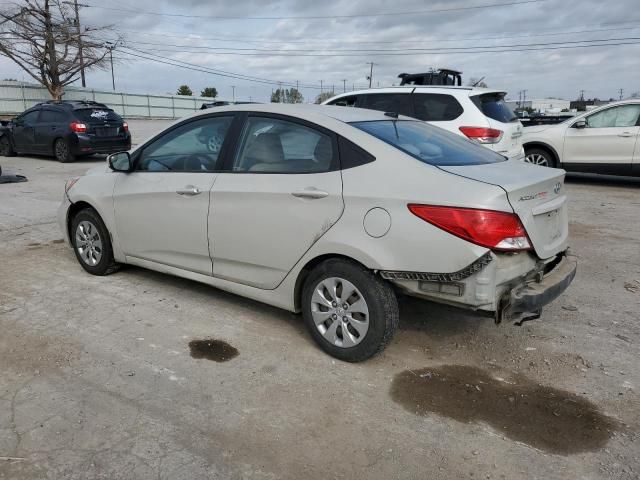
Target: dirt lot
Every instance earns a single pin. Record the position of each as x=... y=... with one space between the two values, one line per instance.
x=105 y=378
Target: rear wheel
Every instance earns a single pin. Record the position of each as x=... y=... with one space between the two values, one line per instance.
x=6 y=150
x=350 y=312
x=62 y=151
x=92 y=244
x=541 y=157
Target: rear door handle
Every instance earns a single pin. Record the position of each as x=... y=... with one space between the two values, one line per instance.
x=310 y=193
x=189 y=191
x=625 y=134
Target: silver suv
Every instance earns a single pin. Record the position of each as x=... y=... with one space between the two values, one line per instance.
x=479 y=114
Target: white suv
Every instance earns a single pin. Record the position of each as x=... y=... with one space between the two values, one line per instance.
x=480 y=114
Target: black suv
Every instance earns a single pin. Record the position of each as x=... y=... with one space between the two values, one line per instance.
x=65 y=129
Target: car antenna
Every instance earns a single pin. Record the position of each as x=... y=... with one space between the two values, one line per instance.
x=391 y=114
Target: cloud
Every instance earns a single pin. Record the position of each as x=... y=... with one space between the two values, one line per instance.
x=599 y=71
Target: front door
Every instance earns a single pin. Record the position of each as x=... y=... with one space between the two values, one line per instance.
x=607 y=142
x=24 y=132
x=161 y=208
x=282 y=193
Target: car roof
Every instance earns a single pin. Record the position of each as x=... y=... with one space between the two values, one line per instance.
x=306 y=111
x=73 y=104
x=420 y=88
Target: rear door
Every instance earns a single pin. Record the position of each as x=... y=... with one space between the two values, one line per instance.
x=607 y=143
x=281 y=193
x=501 y=117
x=24 y=131
x=161 y=208
x=51 y=125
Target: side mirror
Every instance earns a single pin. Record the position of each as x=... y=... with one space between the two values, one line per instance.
x=120 y=162
x=580 y=124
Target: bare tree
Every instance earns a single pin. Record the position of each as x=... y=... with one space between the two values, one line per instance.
x=42 y=38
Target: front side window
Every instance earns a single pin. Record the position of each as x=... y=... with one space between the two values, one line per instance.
x=271 y=145
x=29 y=118
x=621 y=116
x=429 y=144
x=435 y=107
x=399 y=103
x=192 y=147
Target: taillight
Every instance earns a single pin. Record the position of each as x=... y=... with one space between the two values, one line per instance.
x=125 y=127
x=500 y=231
x=482 y=134
x=78 y=127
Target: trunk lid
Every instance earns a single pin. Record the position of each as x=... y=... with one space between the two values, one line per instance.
x=501 y=117
x=536 y=195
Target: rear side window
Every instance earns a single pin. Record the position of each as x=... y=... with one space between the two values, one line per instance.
x=494 y=107
x=351 y=155
x=388 y=102
x=435 y=107
x=50 y=116
x=349 y=101
x=429 y=144
x=92 y=115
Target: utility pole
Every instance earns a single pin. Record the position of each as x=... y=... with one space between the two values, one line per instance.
x=344 y=85
x=233 y=89
x=110 y=46
x=80 y=57
x=280 y=97
x=320 y=87
x=621 y=93
x=524 y=98
x=582 y=95
x=371 y=64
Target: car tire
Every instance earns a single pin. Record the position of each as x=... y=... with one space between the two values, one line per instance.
x=6 y=150
x=92 y=244
x=62 y=151
x=354 y=328
x=539 y=156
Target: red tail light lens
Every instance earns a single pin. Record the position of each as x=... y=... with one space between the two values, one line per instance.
x=125 y=127
x=78 y=127
x=482 y=134
x=499 y=231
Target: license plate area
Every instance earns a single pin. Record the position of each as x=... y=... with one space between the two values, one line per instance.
x=550 y=223
x=106 y=131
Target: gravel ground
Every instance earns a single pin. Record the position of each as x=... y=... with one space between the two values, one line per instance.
x=143 y=375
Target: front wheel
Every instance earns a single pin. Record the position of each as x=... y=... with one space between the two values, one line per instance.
x=537 y=156
x=62 y=151
x=91 y=243
x=350 y=312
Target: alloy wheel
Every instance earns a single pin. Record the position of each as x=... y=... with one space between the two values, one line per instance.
x=537 y=159
x=88 y=243
x=340 y=312
x=62 y=151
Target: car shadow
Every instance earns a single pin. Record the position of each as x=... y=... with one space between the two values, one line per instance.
x=98 y=157
x=604 y=180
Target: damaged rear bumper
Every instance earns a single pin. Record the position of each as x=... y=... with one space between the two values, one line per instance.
x=530 y=297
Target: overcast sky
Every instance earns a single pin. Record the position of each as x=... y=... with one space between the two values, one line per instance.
x=333 y=46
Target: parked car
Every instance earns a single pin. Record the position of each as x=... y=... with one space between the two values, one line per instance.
x=330 y=211
x=479 y=114
x=604 y=140
x=66 y=130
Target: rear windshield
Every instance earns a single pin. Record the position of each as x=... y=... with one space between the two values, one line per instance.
x=429 y=144
x=494 y=106
x=90 y=115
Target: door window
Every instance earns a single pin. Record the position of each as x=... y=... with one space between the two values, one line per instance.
x=389 y=102
x=435 y=107
x=192 y=147
x=621 y=116
x=271 y=145
x=29 y=118
x=49 y=116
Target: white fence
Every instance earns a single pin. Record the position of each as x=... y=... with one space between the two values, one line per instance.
x=15 y=97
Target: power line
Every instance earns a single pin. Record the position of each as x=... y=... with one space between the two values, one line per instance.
x=321 y=17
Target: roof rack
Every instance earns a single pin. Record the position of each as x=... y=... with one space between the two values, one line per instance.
x=440 y=76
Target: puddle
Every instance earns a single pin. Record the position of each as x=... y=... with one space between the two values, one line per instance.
x=216 y=350
x=543 y=417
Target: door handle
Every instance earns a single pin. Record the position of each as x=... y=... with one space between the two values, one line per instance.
x=189 y=191
x=311 y=193
x=625 y=134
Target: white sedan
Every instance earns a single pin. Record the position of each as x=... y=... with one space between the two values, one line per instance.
x=604 y=140
x=329 y=211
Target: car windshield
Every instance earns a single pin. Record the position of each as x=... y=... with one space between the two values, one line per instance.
x=429 y=144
